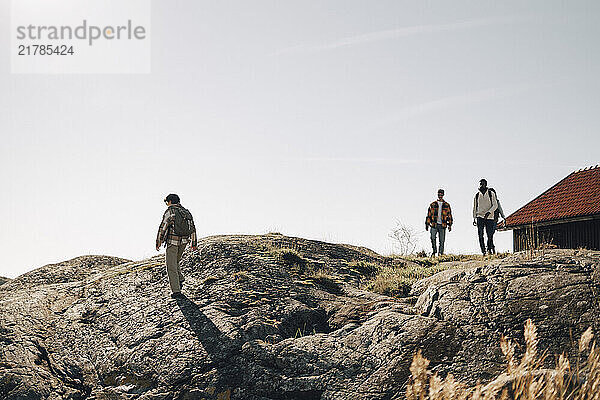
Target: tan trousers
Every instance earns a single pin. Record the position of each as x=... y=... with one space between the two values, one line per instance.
x=173 y=256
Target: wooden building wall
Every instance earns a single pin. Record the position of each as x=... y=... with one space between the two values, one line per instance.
x=571 y=235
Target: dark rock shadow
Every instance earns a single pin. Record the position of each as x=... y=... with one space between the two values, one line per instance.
x=225 y=355
x=221 y=350
x=219 y=347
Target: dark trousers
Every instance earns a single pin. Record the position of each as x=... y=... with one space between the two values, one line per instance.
x=438 y=230
x=489 y=226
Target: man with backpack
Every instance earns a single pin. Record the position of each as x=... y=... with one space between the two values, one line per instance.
x=485 y=215
x=175 y=231
x=439 y=217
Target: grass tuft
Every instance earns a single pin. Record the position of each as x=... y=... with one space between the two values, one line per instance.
x=290 y=258
x=364 y=267
x=429 y=261
x=397 y=281
x=324 y=280
x=526 y=379
x=209 y=280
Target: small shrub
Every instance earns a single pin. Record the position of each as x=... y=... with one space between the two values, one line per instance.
x=404 y=238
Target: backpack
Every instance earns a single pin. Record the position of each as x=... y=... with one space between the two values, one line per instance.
x=183 y=224
x=497 y=212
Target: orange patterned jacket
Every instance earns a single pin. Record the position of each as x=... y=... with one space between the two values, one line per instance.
x=431 y=218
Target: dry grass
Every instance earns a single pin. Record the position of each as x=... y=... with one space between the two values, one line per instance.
x=364 y=267
x=325 y=280
x=524 y=379
x=537 y=241
x=209 y=280
x=429 y=261
x=397 y=281
x=241 y=276
x=291 y=258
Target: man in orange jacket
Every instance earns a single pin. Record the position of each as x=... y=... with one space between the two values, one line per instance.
x=439 y=217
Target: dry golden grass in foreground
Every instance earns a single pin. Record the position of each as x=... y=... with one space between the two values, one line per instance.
x=523 y=380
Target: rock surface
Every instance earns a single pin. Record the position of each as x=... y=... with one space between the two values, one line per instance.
x=257 y=324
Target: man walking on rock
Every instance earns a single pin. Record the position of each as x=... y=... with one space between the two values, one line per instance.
x=485 y=205
x=175 y=231
x=439 y=217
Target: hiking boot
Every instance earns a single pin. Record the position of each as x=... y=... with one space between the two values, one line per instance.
x=176 y=295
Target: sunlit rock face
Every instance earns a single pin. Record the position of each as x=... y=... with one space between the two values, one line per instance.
x=274 y=317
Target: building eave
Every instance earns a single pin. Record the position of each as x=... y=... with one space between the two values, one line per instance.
x=551 y=222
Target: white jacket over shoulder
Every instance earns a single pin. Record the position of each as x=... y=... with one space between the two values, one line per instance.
x=485 y=203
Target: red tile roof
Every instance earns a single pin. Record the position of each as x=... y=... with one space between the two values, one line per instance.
x=575 y=196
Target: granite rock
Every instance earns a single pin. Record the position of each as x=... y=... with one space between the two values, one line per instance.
x=255 y=326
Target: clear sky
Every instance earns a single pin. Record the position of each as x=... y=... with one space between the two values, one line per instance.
x=322 y=119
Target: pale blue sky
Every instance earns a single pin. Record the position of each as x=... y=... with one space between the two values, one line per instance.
x=320 y=119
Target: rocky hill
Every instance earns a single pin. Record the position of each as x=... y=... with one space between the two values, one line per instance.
x=260 y=321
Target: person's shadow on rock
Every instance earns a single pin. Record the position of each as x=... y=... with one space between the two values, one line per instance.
x=219 y=347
